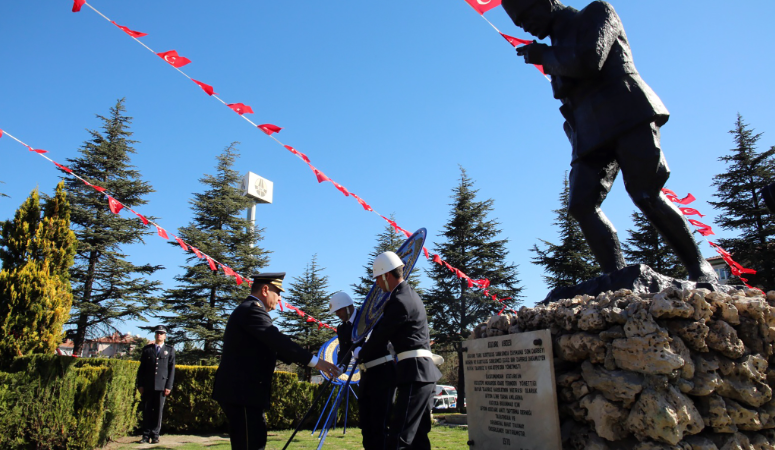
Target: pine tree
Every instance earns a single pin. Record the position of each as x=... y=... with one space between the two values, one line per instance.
x=646 y=246
x=35 y=293
x=471 y=245
x=204 y=299
x=570 y=262
x=739 y=193
x=106 y=286
x=387 y=240
x=308 y=292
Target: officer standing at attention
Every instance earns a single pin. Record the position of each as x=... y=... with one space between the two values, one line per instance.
x=378 y=377
x=404 y=324
x=155 y=378
x=251 y=346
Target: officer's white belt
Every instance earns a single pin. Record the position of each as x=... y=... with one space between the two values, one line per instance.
x=375 y=362
x=420 y=353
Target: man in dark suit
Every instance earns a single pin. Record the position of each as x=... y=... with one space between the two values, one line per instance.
x=378 y=377
x=155 y=378
x=251 y=346
x=404 y=324
x=612 y=119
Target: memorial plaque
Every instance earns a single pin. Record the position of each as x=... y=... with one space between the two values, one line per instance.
x=510 y=393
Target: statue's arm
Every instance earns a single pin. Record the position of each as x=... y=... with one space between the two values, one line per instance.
x=599 y=29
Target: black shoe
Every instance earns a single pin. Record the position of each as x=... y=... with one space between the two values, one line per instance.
x=155 y=441
x=144 y=440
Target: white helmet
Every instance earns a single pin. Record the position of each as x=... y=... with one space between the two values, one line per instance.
x=340 y=300
x=384 y=263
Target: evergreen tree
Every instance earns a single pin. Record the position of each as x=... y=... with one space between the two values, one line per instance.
x=106 y=286
x=308 y=292
x=35 y=293
x=739 y=193
x=570 y=262
x=387 y=240
x=471 y=245
x=204 y=299
x=646 y=246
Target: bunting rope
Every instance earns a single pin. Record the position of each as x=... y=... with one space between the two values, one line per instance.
x=705 y=230
x=269 y=129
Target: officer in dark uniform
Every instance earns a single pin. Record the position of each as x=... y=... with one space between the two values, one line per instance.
x=251 y=346
x=378 y=377
x=612 y=119
x=155 y=378
x=405 y=325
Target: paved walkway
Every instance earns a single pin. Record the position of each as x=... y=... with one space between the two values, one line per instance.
x=168 y=441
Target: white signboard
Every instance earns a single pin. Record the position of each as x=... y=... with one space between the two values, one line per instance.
x=258 y=188
x=510 y=393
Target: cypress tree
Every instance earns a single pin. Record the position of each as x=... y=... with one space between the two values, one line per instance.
x=646 y=246
x=570 y=262
x=106 y=286
x=203 y=299
x=470 y=244
x=743 y=210
x=308 y=292
x=35 y=293
x=387 y=240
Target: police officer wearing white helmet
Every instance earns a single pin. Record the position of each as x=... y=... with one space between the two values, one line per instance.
x=404 y=324
x=378 y=377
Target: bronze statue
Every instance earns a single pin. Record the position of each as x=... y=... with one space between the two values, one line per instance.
x=612 y=119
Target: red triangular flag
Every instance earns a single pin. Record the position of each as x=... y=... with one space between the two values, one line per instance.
x=227 y=270
x=437 y=259
x=96 y=188
x=211 y=263
x=501 y=311
x=115 y=205
x=37 y=150
x=691 y=211
x=686 y=200
x=174 y=59
x=516 y=42
x=161 y=231
x=205 y=87
x=669 y=192
x=77 y=4
x=280 y=303
x=341 y=188
x=470 y=283
x=300 y=312
x=482 y=6
x=145 y=221
x=311 y=319
x=360 y=200
x=182 y=244
x=240 y=109
x=134 y=34
x=321 y=325
x=56 y=164
x=703 y=229
x=320 y=175
x=296 y=152
x=1 y=133
x=197 y=252
x=239 y=282
x=268 y=128
x=425 y=250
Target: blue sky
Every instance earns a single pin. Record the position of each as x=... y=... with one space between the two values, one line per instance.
x=386 y=98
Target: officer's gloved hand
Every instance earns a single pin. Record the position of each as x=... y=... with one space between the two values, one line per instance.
x=356 y=352
x=533 y=53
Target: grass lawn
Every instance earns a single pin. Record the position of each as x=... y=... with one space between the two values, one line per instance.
x=441 y=438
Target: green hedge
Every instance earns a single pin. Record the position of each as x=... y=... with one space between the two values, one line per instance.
x=190 y=409
x=59 y=402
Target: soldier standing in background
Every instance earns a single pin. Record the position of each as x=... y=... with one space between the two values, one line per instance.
x=155 y=378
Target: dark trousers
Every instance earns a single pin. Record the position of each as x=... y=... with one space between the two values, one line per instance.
x=410 y=420
x=247 y=426
x=153 y=403
x=375 y=401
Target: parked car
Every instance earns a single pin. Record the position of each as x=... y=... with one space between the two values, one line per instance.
x=444 y=397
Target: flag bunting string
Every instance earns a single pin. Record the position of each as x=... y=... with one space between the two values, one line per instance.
x=705 y=230
x=177 y=61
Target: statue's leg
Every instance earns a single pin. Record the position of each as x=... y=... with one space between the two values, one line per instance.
x=590 y=182
x=645 y=172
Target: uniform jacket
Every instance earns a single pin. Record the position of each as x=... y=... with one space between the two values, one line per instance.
x=156 y=373
x=251 y=347
x=594 y=75
x=404 y=324
x=344 y=333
